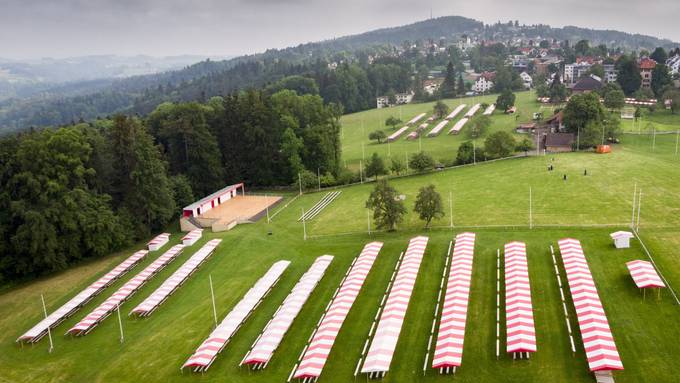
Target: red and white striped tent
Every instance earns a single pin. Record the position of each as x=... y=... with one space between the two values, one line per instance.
x=75 y=303
x=455 y=112
x=316 y=353
x=416 y=119
x=644 y=274
x=100 y=313
x=489 y=110
x=458 y=125
x=412 y=135
x=206 y=353
x=191 y=237
x=394 y=136
x=475 y=108
x=422 y=127
x=438 y=128
x=158 y=242
x=384 y=342
x=448 y=352
x=262 y=350
x=598 y=340
x=519 y=314
x=175 y=280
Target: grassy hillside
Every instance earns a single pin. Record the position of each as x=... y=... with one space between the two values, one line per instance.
x=487 y=194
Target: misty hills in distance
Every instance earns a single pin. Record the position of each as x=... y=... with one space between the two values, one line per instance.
x=20 y=78
x=90 y=97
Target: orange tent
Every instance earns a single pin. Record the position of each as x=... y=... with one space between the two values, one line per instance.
x=604 y=149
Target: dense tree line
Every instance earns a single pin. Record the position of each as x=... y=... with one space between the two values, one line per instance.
x=87 y=189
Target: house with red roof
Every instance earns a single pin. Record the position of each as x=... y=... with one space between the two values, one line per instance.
x=646 y=66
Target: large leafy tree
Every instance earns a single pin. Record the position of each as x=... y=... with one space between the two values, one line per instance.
x=428 y=204
x=440 y=110
x=628 y=74
x=375 y=166
x=661 y=79
x=142 y=190
x=659 y=55
x=505 y=100
x=583 y=109
x=190 y=147
x=614 y=98
x=388 y=209
x=421 y=162
x=499 y=144
x=448 y=88
x=55 y=213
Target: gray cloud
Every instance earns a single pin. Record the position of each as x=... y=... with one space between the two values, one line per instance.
x=39 y=28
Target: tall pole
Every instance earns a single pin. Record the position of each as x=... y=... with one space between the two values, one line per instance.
x=363 y=154
x=361 y=171
x=120 y=325
x=300 y=181
x=212 y=298
x=638 y=207
x=304 y=225
x=451 y=208
x=49 y=333
x=677 y=139
x=406 y=158
x=578 y=139
x=368 y=220
x=632 y=218
x=654 y=138
x=538 y=144
x=603 y=134
x=318 y=176
x=266 y=198
x=474 y=153
x=531 y=223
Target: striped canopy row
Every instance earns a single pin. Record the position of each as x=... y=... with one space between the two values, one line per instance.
x=455 y=112
x=458 y=125
x=391 y=321
x=489 y=110
x=438 y=128
x=206 y=353
x=75 y=303
x=191 y=237
x=175 y=280
x=449 y=349
x=273 y=333
x=315 y=356
x=398 y=133
x=159 y=241
x=597 y=337
x=519 y=314
x=416 y=119
x=473 y=110
x=92 y=319
x=644 y=274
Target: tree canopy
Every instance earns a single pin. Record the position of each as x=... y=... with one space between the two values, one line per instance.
x=428 y=204
x=388 y=209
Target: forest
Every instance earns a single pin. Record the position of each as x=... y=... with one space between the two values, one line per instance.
x=88 y=189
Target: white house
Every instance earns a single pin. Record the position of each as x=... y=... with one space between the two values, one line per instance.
x=610 y=73
x=526 y=78
x=673 y=64
x=484 y=82
x=573 y=72
x=401 y=98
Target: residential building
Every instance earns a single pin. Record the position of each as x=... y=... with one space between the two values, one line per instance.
x=484 y=82
x=401 y=98
x=588 y=84
x=573 y=72
x=559 y=142
x=610 y=73
x=646 y=66
x=526 y=78
x=673 y=64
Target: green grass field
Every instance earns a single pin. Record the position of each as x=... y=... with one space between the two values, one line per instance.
x=491 y=199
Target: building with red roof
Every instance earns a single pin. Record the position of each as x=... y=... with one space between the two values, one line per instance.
x=646 y=66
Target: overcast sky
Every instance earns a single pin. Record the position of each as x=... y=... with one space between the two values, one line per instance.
x=61 y=28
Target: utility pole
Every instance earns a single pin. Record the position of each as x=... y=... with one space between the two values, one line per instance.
x=212 y=298
x=632 y=218
x=361 y=171
x=304 y=225
x=451 y=207
x=120 y=325
x=49 y=332
x=531 y=223
x=300 y=181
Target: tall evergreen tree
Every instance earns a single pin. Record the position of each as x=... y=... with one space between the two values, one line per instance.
x=448 y=88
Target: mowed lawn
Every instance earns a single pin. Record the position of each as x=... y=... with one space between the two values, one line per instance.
x=646 y=331
x=357 y=126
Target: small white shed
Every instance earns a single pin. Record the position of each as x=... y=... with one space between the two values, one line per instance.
x=622 y=239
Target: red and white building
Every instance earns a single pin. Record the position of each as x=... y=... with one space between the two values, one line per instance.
x=213 y=200
x=646 y=65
